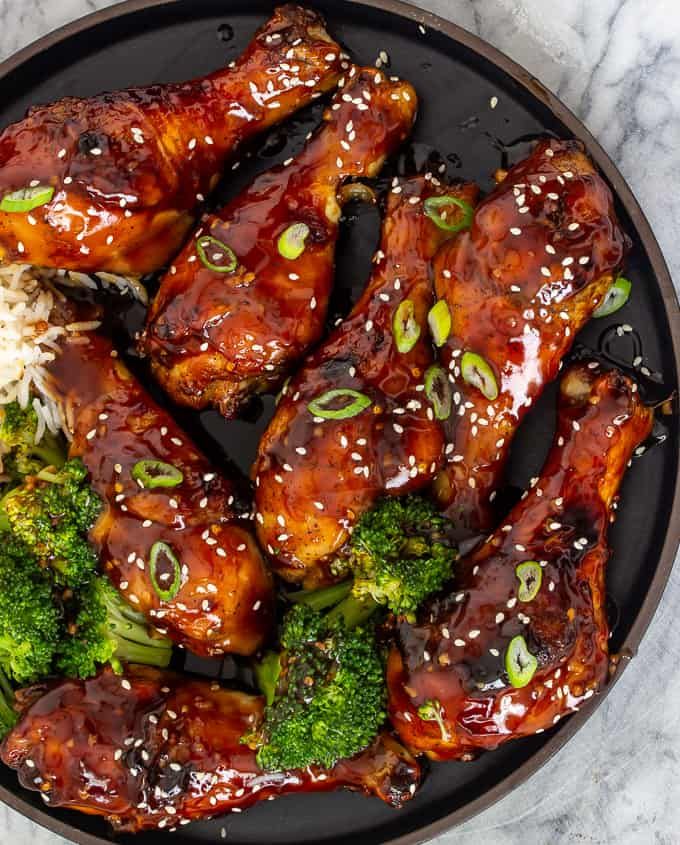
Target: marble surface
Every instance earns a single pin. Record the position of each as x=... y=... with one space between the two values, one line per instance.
x=616 y=63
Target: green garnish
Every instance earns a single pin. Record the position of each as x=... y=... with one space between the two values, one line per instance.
x=478 y=373
x=26 y=199
x=520 y=663
x=216 y=255
x=530 y=576
x=291 y=243
x=615 y=298
x=319 y=407
x=405 y=327
x=432 y=206
x=438 y=391
x=172 y=579
x=152 y=473
x=439 y=320
x=432 y=711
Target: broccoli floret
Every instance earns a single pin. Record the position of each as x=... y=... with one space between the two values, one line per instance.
x=53 y=518
x=30 y=619
x=21 y=455
x=107 y=630
x=400 y=553
x=8 y=715
x=325 y=693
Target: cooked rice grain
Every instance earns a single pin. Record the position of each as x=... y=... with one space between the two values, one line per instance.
x=28 y=341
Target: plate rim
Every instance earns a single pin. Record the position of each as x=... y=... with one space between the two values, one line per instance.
x=536 y=89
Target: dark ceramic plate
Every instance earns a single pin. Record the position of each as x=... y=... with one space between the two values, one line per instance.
x=456 y=75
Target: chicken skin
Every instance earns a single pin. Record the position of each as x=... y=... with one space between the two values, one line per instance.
x=520 y=638
x=249 y=293
x=151 y=749
x=113 y=182
x=316 y=473
x=542 y=252
x=169 y=536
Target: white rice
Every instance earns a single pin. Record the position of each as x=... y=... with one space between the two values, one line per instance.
x=29 y=342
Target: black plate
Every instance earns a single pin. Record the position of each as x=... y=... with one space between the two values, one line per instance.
x=456 y=76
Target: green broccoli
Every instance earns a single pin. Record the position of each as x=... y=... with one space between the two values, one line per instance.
x=53 y=518
x=325 y=691
x=30 y=620
x=21 y=455
x=8 y=715
x=399 y=554
x=56 y=611
x=107 y=630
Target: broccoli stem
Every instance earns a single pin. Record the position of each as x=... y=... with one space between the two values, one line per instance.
x=267 y=673
x=134 y=642
x=354 y=610
x=320 y=599
x=8 y=715
x=50 y=451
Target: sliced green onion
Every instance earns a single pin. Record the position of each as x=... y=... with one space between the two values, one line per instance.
x=432 y=711
x=478 y=373
x=439 y=320
x=165 y=583
x=216 y=255
x=152 y=473
x=438 y=391
x=530 y=576
x=291 y=243
x=26 y=199
x=319 y=407
x=520 y=663
x=405 y=326
x=463 y=221
x=615 y=298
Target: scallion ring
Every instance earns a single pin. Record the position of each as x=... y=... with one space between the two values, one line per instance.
x=405 y=326
x=615 y=298
x=478 y=373
x=291 y=243
x=520 y=663
x=439 y=320
x=322 y=406
x=530 y=576
x=26 y=199
x=165 y=571
x=216 y=255
x=438 y=391
x=432 y=206
x=152 y=473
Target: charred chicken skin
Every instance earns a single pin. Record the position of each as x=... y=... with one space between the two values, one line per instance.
x=318 y=469
x=249 y=293
x=151 y=749
x=543 y=250
x=113 y=182
x=169 y=535
x=521 y=638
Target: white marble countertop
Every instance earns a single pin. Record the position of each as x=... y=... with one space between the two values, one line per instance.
x=616 y=63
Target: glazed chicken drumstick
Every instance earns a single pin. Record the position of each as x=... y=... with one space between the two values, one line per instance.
x=541 y=254
x=361 y=419
x=169 y=535
x=249 y=293
x=521 y=638
x=113 y=182
x=151 y=749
